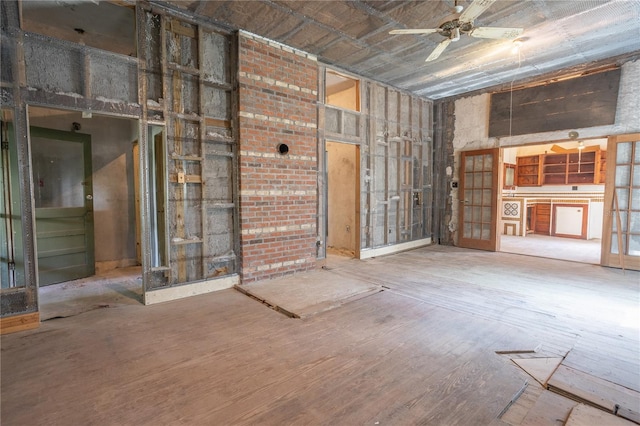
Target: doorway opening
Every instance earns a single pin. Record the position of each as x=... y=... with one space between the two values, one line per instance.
x=553 y=200
x=83 y=173
x=343 y=193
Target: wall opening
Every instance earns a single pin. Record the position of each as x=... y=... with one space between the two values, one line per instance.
x=110 y=188
x=343 y=177
x=342 y=91
x=102 y=25
x=555 y=208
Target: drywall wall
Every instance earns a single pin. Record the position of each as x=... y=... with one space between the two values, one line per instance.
x=113 y=194
x=343 y=180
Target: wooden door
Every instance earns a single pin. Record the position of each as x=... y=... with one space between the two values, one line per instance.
x=63 y=204
x=621 y=229
x=479 y=199
x=543 y=219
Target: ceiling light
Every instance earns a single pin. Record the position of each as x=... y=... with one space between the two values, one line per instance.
x=517 y=43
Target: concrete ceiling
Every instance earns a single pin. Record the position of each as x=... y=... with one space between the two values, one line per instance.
x=354 y=35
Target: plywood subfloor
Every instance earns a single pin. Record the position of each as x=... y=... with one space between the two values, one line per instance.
x=319 y=291
x=121 y=286
x=584 y=415
x=423 y=351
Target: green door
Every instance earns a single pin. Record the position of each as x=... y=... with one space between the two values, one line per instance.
x=63 y=194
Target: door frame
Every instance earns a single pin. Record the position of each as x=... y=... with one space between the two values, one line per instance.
x=610 y=214
x=357 y=209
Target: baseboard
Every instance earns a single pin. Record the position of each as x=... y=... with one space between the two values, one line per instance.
x=109 y=265
x=395 y=248
x=17 y=323
x=187 y=290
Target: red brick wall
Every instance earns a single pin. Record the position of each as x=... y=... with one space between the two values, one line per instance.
x=278 y=193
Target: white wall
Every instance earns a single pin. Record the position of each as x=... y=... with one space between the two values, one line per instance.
x=472 y=122
x=596 y=216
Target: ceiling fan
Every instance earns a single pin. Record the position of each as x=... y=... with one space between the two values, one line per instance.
x=461 y=22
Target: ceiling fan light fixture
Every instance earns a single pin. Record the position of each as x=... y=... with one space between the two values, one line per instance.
x=517 y=44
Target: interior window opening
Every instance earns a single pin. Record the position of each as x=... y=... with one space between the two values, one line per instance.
x=342 y=91
x=102 y=25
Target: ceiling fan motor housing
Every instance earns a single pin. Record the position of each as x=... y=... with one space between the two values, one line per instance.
x=448 y=27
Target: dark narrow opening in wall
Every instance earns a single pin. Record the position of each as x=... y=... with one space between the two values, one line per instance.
x=102 y=25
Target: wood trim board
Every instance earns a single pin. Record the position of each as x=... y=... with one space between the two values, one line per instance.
x=17 y=323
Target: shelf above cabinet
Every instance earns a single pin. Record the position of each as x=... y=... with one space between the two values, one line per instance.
x=559 y=169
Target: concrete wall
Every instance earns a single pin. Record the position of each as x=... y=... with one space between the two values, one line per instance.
x=472 y=121
x=113 y=192
x=343 y=182
x=278 y=193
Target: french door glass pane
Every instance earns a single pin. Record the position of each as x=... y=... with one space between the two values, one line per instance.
x=634 y=245
x=623 y=152
x=635 y=197
x=623 y=175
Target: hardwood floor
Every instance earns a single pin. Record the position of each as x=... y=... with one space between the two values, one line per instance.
x=577 y=250
x=423 y=351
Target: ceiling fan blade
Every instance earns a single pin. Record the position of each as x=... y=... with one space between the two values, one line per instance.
x=416 y=31
x=474 y=10
x=438 y=50
x=496 y=32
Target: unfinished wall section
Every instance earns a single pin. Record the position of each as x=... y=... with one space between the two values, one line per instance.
x=443 y=163
x=399 y=168
x=278 y=190
x=394 y=132
x=187 y=83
